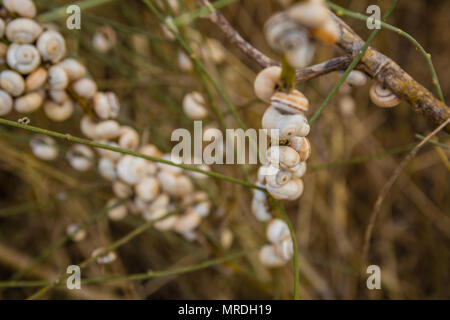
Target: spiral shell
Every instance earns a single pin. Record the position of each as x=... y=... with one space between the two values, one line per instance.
x=106 y=105
x=298 y=171
x=44 y=147
x=23 y=30
x=285 y=249
x=6 y=103
x=74 y=68
x=132 y=170
x=88 y=127
x=80 y=157
x=283 y=156
x=12 y=82
x=289 y=191
x=290 y=103
x=302 y=146
x=121 y=189
x=58 y=78
x=51 y=46
x=107 y=169
x=266 y=81
x=24 y=8
x=58 y=96
x=269 y=258
x=24 y=58
x=147 y=189
x=106 y=130
x=382 y=96
x=58 y=112
x=277 y=231
x=36 y=79
x=85 y=88
x=281 y=177
x=194 y=106
x=29 y=102
x=104 y=39
x=128 y=138
x=187 y=221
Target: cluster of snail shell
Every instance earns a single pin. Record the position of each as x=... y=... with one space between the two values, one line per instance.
x=37 y=74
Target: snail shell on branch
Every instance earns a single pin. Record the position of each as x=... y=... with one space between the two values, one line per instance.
x=187 y=221
x=107 y=169
x=283 y=156
x=356 y=78
x=269 y=257
x=121 y=189
x=289 y=125
x=6 y=103
x=118 y=212
x=106 y=105
x=285 y=249
x=132 y=170
x=24 y=58
x=44 y=147
x=290 y=191
x=281 y=177
x=266 y=82
x=302 y=146
x=52 y=46
x=128 y=138
x=104 y=258
x=23 y=30
x=147 y=189
x=382 y=96
x=310 y=14
x=106 y=130
x=290 y=103
x=104 y=39
x=277 y=231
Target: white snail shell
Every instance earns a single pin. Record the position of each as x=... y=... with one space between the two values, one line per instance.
x=128 y=138
x=300 y=51
x=187 y=221
x=260 y=206
x=277 y=231
x=184 y=62
x=106 y=105
x=108 y=129
x=44 y=147
x=132 y=170
x=299 y=170
x=310 y=14
x=12 y=82
x=269 y=257
x=161 y=201
x=293 y=102
x=107 y=169
x=283 y=156
x=52 y=46
x=75 y=233
x=104 y=258
x=87 y=125
x=289 y=191
x=285 y=249
x=302 y=146
x=150 y=150
x=289 y=125
x=104 y=39
x=58 y=96
x=29 y=102
x=382 y=96
x=114 y=156
x=58 y=78
x=121 y=189
x=36 y=79
x=24 y=8
x=74 y=68
x=58 y=112
x=23 y=30
x=118 y=212
x=147 y=189
x=199 y=175
x=80 y=157
x=277 y=28
x=280 y=178
x=85 y=88
x=6 y=103
x=24 y=58
x=356 y=78
x=266 y=82
x=194 y=106
x=202 y=208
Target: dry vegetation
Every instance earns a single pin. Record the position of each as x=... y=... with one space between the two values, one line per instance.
x=355 y=152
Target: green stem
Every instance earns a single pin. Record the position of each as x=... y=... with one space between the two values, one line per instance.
x=344 y=12
x=70 y=138
x=349 y=69
x=287 y=77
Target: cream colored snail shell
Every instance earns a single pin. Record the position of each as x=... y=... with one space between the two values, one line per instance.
x=277 y=28
x=106 y=105
x=88 y=126
x=128 y=138
x=147 y=189
x=85 y=88
x=132 y=169
x=194 y=106
x=288 y=125
x=187 y=221
x=302 y=146
x=12 y=82
x=58 y=78
x=202 y=208
x=6 y=103
x=382 y=96
x=285 y=249
x=104 y=39
x=266 y=82
x=277 y=230
x=310 y=14
x=260 y=206
x=108 y=129
x=356 y=78
x=184 y=62
x=75 y=233
x=44 y=147
x=150 y=150
x=104 y=258
x=74 y=68
x=114 y=156
x=289 y=191
x=283 y=156
x=24 y=8
x=29 y=102
x=51 y=46
x=269 y=257
x=117 y=212
x=299 y=170
x=121 y=189
x=58 y=96
x=107 y=169
x=23 y=30
x=58 y=112
x=80 y=157
x=290 y=103
x=36 y=79
x=24 y=58
x=278 y=179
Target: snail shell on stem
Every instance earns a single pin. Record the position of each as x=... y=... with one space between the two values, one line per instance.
x=266 y=82
x=382 y=96
x=44 y=147
x=293 y=102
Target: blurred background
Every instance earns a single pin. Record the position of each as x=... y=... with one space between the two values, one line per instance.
x=356 y=148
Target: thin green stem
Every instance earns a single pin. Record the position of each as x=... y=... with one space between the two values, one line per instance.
x=439 y=144
x=349 y=69
x=70 y=138
x=344 y=12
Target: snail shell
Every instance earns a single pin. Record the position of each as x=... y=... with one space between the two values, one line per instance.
x=150 y=150
x=58 y=79
x=293 y=102
x=6 y=103
x=310 y=14
x=36 y=79
x=277 y=28
x=80 y=157
x=114 y=156
x=356 y=78
x=118 y=212
x=290 y=191
x=74 y=68
x=106 y=130
x=132 y=170
x=202 y=208
x=107 y=169
x=285 y=249
x=12 y=82
x=128 y=138
x=44 y=147
x=104 y=258
x=266 y=82
x=24 y=58
x=23 y=30
x=87 y=125
x=58 y=96
x=85 y=88
x=169 y=168
x=104 y=39
x=147 y=189
x=184 y=62
x=58 y=112
x=302 y=146
x=283 y=156
x=187 y=221
x=121 y=189
x=194 y=106
x=298 y=171
x=260 y=206
x=24 y=8
x=106 y=105
x=277 y=231
x=288 y=125
x=75 y=233
x=269 y=257
x=51 y=46
x=280 y=178
x=382 y=96
x=29 y=102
